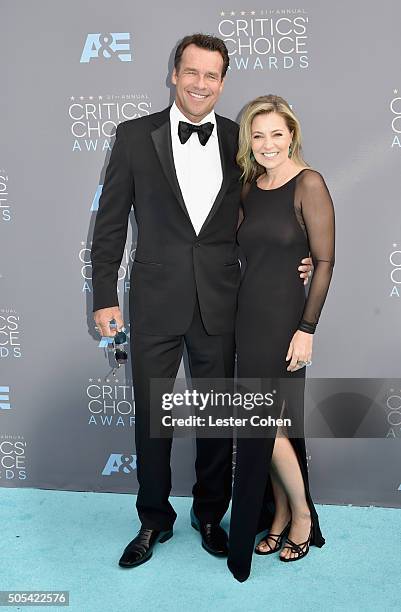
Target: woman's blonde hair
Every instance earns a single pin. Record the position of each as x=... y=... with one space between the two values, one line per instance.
x=261 y=105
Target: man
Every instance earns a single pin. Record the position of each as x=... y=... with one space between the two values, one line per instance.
x=177 y=168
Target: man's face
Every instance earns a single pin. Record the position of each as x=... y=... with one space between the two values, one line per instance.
x=198 y=82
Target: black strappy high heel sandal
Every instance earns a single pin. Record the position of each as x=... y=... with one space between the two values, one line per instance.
x=277 y=538
x=301 y=549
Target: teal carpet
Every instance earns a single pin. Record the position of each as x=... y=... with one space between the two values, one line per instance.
x=59 y=540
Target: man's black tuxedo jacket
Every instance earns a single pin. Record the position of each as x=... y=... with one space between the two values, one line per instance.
x=172 y=263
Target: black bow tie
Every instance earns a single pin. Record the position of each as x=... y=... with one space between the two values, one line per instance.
x=186 y=129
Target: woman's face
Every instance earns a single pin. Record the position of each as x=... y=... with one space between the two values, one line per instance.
x=270 y=139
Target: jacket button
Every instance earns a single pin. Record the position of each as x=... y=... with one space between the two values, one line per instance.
x=197 y=244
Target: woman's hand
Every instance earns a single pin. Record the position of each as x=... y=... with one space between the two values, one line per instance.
x=300 y=349
x=306 y=269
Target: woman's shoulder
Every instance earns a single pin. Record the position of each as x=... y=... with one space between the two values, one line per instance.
x=310 y=178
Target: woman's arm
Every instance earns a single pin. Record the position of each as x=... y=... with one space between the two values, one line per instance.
x=318 y=217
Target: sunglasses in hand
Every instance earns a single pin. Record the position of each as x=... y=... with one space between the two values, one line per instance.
x=120 y=354
x=117 y=343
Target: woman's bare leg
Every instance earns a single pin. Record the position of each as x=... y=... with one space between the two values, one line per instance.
x=282 y=514
x=285 y=464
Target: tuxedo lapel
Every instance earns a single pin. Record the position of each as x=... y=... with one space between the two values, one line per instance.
x=161 y=137
x=225 y=156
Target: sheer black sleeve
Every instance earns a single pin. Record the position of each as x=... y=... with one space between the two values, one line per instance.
x=315 y=212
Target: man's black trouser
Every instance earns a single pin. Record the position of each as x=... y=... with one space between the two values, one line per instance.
x=160 y=357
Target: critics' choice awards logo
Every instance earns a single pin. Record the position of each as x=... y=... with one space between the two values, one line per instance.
x=110 y=404
x=10 y=341
x=395 y=107
x=119 y=463
x=393 y=413
x=12 y=457
x=94 y=119
x=270 y=39
x=5 y=398
x=111 y=45
x=123 y=284
x=395 y=270
x=5 y=204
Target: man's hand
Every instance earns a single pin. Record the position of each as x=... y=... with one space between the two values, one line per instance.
x=103 y=316
x=306 y=268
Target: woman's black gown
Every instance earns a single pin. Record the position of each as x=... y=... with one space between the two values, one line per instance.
x=280 y=227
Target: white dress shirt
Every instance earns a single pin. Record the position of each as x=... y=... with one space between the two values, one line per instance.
x=198 y=168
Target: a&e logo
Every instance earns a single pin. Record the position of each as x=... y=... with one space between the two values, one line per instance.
x=95 y=201
x=107 y=46
x=117 y=462
x=5 y=398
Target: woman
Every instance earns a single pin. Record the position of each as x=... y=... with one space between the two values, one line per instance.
x=288 y=212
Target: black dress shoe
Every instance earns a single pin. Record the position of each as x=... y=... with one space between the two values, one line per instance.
x=214 y=538
x=140 y=548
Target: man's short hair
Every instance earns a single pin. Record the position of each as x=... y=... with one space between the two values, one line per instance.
x=203 y=41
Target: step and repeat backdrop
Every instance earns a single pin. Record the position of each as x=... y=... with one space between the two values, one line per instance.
x=70 y=73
